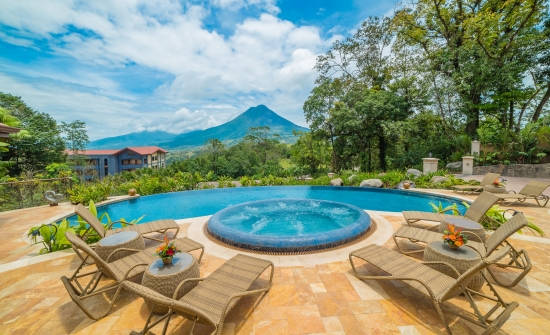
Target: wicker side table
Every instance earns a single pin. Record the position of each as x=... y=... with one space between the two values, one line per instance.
x=465 y=224
x=165 y=278
x=125 y=239
x=462 y=259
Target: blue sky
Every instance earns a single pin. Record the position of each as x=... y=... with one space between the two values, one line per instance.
x=131 y=65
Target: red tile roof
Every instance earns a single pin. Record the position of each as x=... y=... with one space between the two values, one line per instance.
x=145 y=150
x=94 y=152
x=139 y=150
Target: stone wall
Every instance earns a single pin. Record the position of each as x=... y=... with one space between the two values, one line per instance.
x=516 y=170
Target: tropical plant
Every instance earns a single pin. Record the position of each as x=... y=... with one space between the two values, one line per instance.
x=52 y=236
x=90 y=235
x=452 y=208
x=496 y=216
x=225 y=181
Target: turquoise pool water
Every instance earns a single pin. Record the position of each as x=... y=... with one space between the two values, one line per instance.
x=288 y=224
x=187 y=204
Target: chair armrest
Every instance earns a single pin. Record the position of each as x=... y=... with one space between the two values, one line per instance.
x=118 y=250
x=240 y=295
x=444 y=263
x=475 y=235
x=124 y=222
x=133 y=267
x=430 y=292
x=178 y=288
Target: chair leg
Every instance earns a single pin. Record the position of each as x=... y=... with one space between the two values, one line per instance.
x=167 y=322
x=442 y=316
x=200 y=256
x=521 y=261
x=544 y=198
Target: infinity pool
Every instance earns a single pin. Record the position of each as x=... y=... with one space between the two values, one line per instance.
x=187 y=204
x=288 y=224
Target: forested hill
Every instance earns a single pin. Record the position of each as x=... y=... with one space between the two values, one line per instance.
x=230 y=131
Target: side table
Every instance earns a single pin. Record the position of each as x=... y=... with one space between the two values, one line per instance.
x=465 y=224
x=166 y=278
x=125 y=239
x=462 y=259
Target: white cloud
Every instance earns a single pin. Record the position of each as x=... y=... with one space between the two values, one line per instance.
x=234 y=5
x=265 y=60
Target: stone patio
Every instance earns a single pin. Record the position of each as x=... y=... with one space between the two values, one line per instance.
x=310 y=295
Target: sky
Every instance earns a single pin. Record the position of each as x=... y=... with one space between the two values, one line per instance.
x=131 y=65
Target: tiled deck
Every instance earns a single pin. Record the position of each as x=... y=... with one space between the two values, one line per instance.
x=315 y=297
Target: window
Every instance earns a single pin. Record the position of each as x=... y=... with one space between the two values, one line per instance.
x=106 y=162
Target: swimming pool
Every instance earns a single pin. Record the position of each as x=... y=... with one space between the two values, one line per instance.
x=188 y=204
x=288 y=225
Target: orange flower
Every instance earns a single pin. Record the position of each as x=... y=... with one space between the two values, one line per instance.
x=459 y=243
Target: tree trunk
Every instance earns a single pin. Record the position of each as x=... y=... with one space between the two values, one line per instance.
x=382 y=151
x=369 y=160
x=544 y=100
x=511 y=115
x=472 y=114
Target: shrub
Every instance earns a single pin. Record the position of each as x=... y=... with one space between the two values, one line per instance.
x=392 y=178
x=247 y=181
x=84 y=193
x=225 y=181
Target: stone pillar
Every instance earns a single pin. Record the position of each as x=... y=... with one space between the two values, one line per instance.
x=475 y=148
x=429 y=164
x=467 y=165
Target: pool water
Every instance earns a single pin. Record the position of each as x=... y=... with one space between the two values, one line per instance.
x=187 y=204
x=288 y=224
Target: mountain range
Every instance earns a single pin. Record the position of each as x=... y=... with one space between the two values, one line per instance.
x=229 y=132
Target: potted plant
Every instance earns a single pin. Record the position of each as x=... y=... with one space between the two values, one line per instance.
x=167 y=251
x=453 y=237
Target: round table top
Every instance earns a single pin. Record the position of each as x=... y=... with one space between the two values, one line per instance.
x=118 y=238
x=180 y=262
x=462 y=222
x=463 y=253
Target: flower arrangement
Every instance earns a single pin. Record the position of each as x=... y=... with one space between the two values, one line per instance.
x=497 y=183
x=454 y=237
x=166 y=251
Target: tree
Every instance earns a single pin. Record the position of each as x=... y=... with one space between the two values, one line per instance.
x=214 y=148
x=40 y=145
x=354 y=96
x=310 y=152
x=481 y=46
x=75 y=135
x=263 y=139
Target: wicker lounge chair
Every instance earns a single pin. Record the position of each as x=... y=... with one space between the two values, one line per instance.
x=438 y=286
x=532 y=190
x=213 y=297
x=159 y=226
x=518 y=260
x=476 y=211
x=118 y=270
x=487 y=181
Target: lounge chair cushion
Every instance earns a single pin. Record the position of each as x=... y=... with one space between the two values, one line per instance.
x=468 y=187
x=401 y=266
x=426 y=216
x=148 y=227
x=236 y=275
